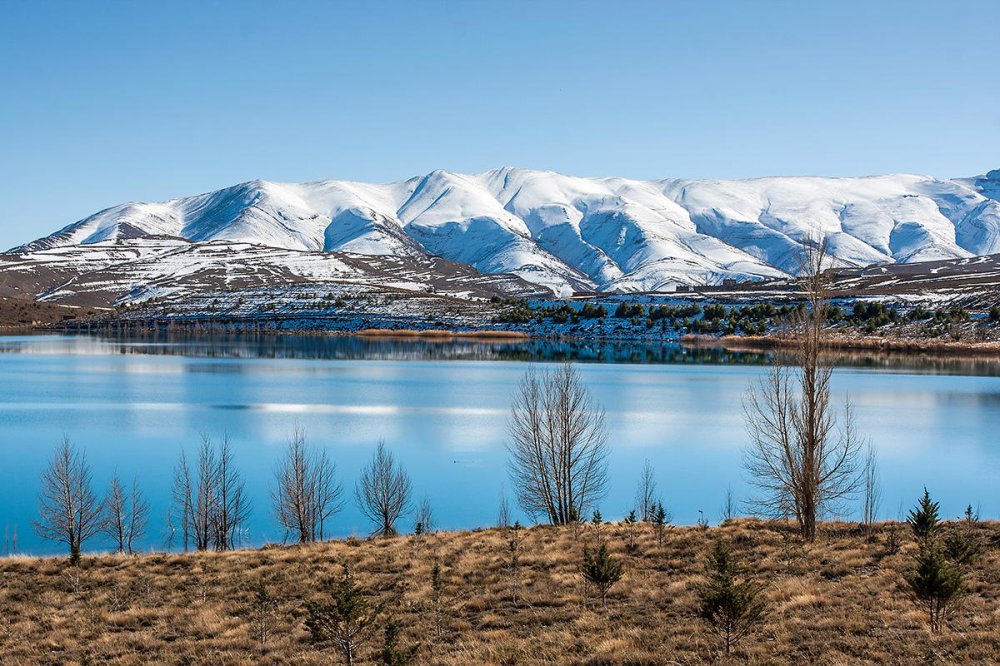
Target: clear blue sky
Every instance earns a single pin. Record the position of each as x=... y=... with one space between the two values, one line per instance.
x=104 y=102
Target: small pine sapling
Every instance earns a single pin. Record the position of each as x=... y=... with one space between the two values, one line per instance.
x=602 y=570
x=393 y=654
x=935 y=583
x=923 y=519
x=660 y=521
x=731 y=604
x=631 y=521
x=344 y=620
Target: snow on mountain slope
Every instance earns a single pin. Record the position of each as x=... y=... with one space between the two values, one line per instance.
x=573 y=234
x=136 y=269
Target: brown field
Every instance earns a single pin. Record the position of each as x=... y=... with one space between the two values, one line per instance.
x=837 y=601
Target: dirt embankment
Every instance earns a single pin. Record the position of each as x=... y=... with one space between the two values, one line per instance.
x=17 y=314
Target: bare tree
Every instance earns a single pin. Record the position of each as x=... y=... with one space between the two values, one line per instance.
x=645 y=493
x=205 y=496
x=797 y=458
x=213 y=502
x=306 y=492
x=183 y=498
x=231 y=506
x=383 y=491
x=871 y=492
x=9 y=539
x=558 y=446
x=126 y=514
x=69 y=511
x=424 y=522
x=169 y=529
x=503 y=511
x=728 y=511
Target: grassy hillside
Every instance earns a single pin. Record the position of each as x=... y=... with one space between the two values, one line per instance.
x=840 y=600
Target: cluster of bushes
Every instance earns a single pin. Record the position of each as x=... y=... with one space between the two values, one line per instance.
x=951 y=316
x=591 y=311
x=513 y=311
x=559 y=314
x=674 y=312
x=689 y=317
x=748 y=319
x=520 y=312
x=874 y=314
x=629 y=310
x=756 y=319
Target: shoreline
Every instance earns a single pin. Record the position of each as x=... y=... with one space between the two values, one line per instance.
x=907 y=346
x=841 y=343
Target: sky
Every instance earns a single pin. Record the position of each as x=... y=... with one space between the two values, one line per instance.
x=106 y=102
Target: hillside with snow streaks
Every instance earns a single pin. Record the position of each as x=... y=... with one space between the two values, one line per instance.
x=580 y=234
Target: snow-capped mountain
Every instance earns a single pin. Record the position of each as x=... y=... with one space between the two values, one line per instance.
x=580 y=234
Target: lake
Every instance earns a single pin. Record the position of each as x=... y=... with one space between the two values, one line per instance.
x=441 y=407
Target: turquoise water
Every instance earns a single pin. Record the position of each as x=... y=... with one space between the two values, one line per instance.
x=441 y=407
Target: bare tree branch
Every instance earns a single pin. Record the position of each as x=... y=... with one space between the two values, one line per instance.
x=798 y=461
x=125 y=515
x=306 y=493
x=213 y=503
x=558 y=446
x=69 y=511
x=383 y=491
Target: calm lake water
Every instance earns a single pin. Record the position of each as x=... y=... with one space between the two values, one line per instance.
x=134 y=404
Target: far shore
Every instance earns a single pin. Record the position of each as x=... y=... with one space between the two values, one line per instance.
x=774 y=342
x=439 y=334
x=872 y=343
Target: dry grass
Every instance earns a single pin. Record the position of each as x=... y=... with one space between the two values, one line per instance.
x=838 y=601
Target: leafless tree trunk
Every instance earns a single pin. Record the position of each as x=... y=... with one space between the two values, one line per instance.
x=872 y=492
x=115 y=513
x=383 y=491
x=183 y=497
x=204 y=496
x=213 y=503
x=645 y=494
x=306 y=492
x=69 y=511
x=558 y=446
x=138 y=517
x=169 y=530
x=425 y=516
x=797 y=460
x=232 y=507
x=728 y=506
x=503 y=512
x=9 y=539
x=125 y=515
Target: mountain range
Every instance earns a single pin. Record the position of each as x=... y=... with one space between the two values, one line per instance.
x=542 y=230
